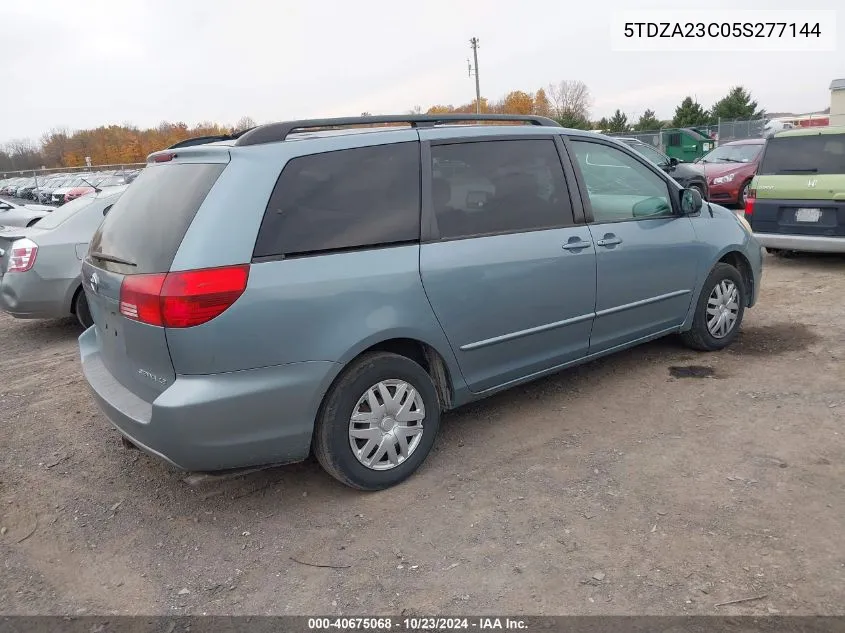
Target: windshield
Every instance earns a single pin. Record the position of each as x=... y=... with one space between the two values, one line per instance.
x=816 y=154
x=733 y=154
x=64 y=212
x=650 y=153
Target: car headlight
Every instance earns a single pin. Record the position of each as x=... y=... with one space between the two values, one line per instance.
x=740 y=217
x=721 y=180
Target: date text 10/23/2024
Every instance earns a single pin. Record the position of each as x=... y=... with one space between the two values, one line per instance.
x=417 y=623
x=724 y=31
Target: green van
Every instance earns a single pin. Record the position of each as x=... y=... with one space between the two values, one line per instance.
x=796 y=201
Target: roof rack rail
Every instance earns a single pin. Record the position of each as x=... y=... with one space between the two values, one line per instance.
x=202 y=140
x=274 y=132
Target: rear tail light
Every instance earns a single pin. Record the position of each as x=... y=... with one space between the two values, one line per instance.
x=182 y=299
x=22 y=257
x=749 y=202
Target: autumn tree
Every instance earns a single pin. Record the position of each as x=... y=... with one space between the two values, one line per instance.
x=647 y=122
x=518 y=102
x=618 y=122
x=736 y=105
x=440 y=109
x=542 y=106
x=690 y=113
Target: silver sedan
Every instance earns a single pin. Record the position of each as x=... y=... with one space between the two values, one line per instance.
x=40 y=266
x=13 y=214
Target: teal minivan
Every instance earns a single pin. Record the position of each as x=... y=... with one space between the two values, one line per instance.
x=796 y=201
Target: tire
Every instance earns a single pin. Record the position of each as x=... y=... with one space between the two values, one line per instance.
x=81 y=309
x=700 y=337
x=699 y=189
x=332 y=443
x=740 y=200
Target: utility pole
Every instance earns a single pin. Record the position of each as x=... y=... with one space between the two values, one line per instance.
x=474 y=69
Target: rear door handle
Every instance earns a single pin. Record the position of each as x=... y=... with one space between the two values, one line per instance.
x=576 y=245
x=609 y=240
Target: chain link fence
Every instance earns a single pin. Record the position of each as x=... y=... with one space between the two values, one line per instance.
x=47 y=172
x=722 y=132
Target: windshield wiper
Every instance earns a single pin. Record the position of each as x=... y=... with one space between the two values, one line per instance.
x=731 y=160
x=809 y=170
x=112 y=258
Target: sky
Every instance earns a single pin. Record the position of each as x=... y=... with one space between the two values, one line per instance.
x=88 y=63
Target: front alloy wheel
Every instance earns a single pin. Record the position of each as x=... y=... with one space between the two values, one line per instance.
x=722 y=308
x=718 y=310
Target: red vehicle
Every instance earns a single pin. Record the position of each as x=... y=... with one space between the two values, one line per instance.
x=729 y=169
x=100 y=183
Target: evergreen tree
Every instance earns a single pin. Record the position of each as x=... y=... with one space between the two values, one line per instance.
x=690 y=113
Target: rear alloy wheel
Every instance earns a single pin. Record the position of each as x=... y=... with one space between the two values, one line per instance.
x=81 y=310
x=719 y=310
x=378 y=422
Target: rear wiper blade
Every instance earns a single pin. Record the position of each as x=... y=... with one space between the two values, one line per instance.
x=112 y=258
x=811 y=170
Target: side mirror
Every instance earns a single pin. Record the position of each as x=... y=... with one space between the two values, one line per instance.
x=673 y=162
x=691 y=201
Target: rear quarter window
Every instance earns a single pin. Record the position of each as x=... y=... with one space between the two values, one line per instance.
x=147 y=224
x=347 y=199
x=816 y=154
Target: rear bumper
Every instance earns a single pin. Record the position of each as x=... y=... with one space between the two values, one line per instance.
x=217 y=421
x=30 y=296
x=814 y=243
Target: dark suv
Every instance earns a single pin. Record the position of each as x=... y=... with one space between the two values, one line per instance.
x=307 y=287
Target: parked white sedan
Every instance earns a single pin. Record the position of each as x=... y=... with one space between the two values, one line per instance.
x=13 y=214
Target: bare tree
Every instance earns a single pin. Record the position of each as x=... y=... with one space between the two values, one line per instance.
x=244 y=123
x=570 y=98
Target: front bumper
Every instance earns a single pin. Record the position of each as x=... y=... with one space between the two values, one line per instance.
x=809 y=243
x=726 y=193
x=214 y=422
x=30 y=296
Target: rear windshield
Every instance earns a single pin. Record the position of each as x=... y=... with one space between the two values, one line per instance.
x=816 y=154
x=147 y=225
x=64 y=212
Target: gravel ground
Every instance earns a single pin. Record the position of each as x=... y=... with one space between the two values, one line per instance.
x=656 y=481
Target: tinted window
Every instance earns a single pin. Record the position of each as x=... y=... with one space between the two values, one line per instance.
x=498 y=186
x=650 y=153
x=147 y=224
x=619 y=186
x=817 y=154
x=352 y=198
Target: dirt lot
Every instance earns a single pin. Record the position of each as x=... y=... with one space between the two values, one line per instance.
x=625 y=486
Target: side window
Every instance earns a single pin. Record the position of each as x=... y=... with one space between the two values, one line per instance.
x=491 y=187
x=619 y=186
x=351 y=198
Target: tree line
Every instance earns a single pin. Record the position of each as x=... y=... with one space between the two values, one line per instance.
x=568 y=102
